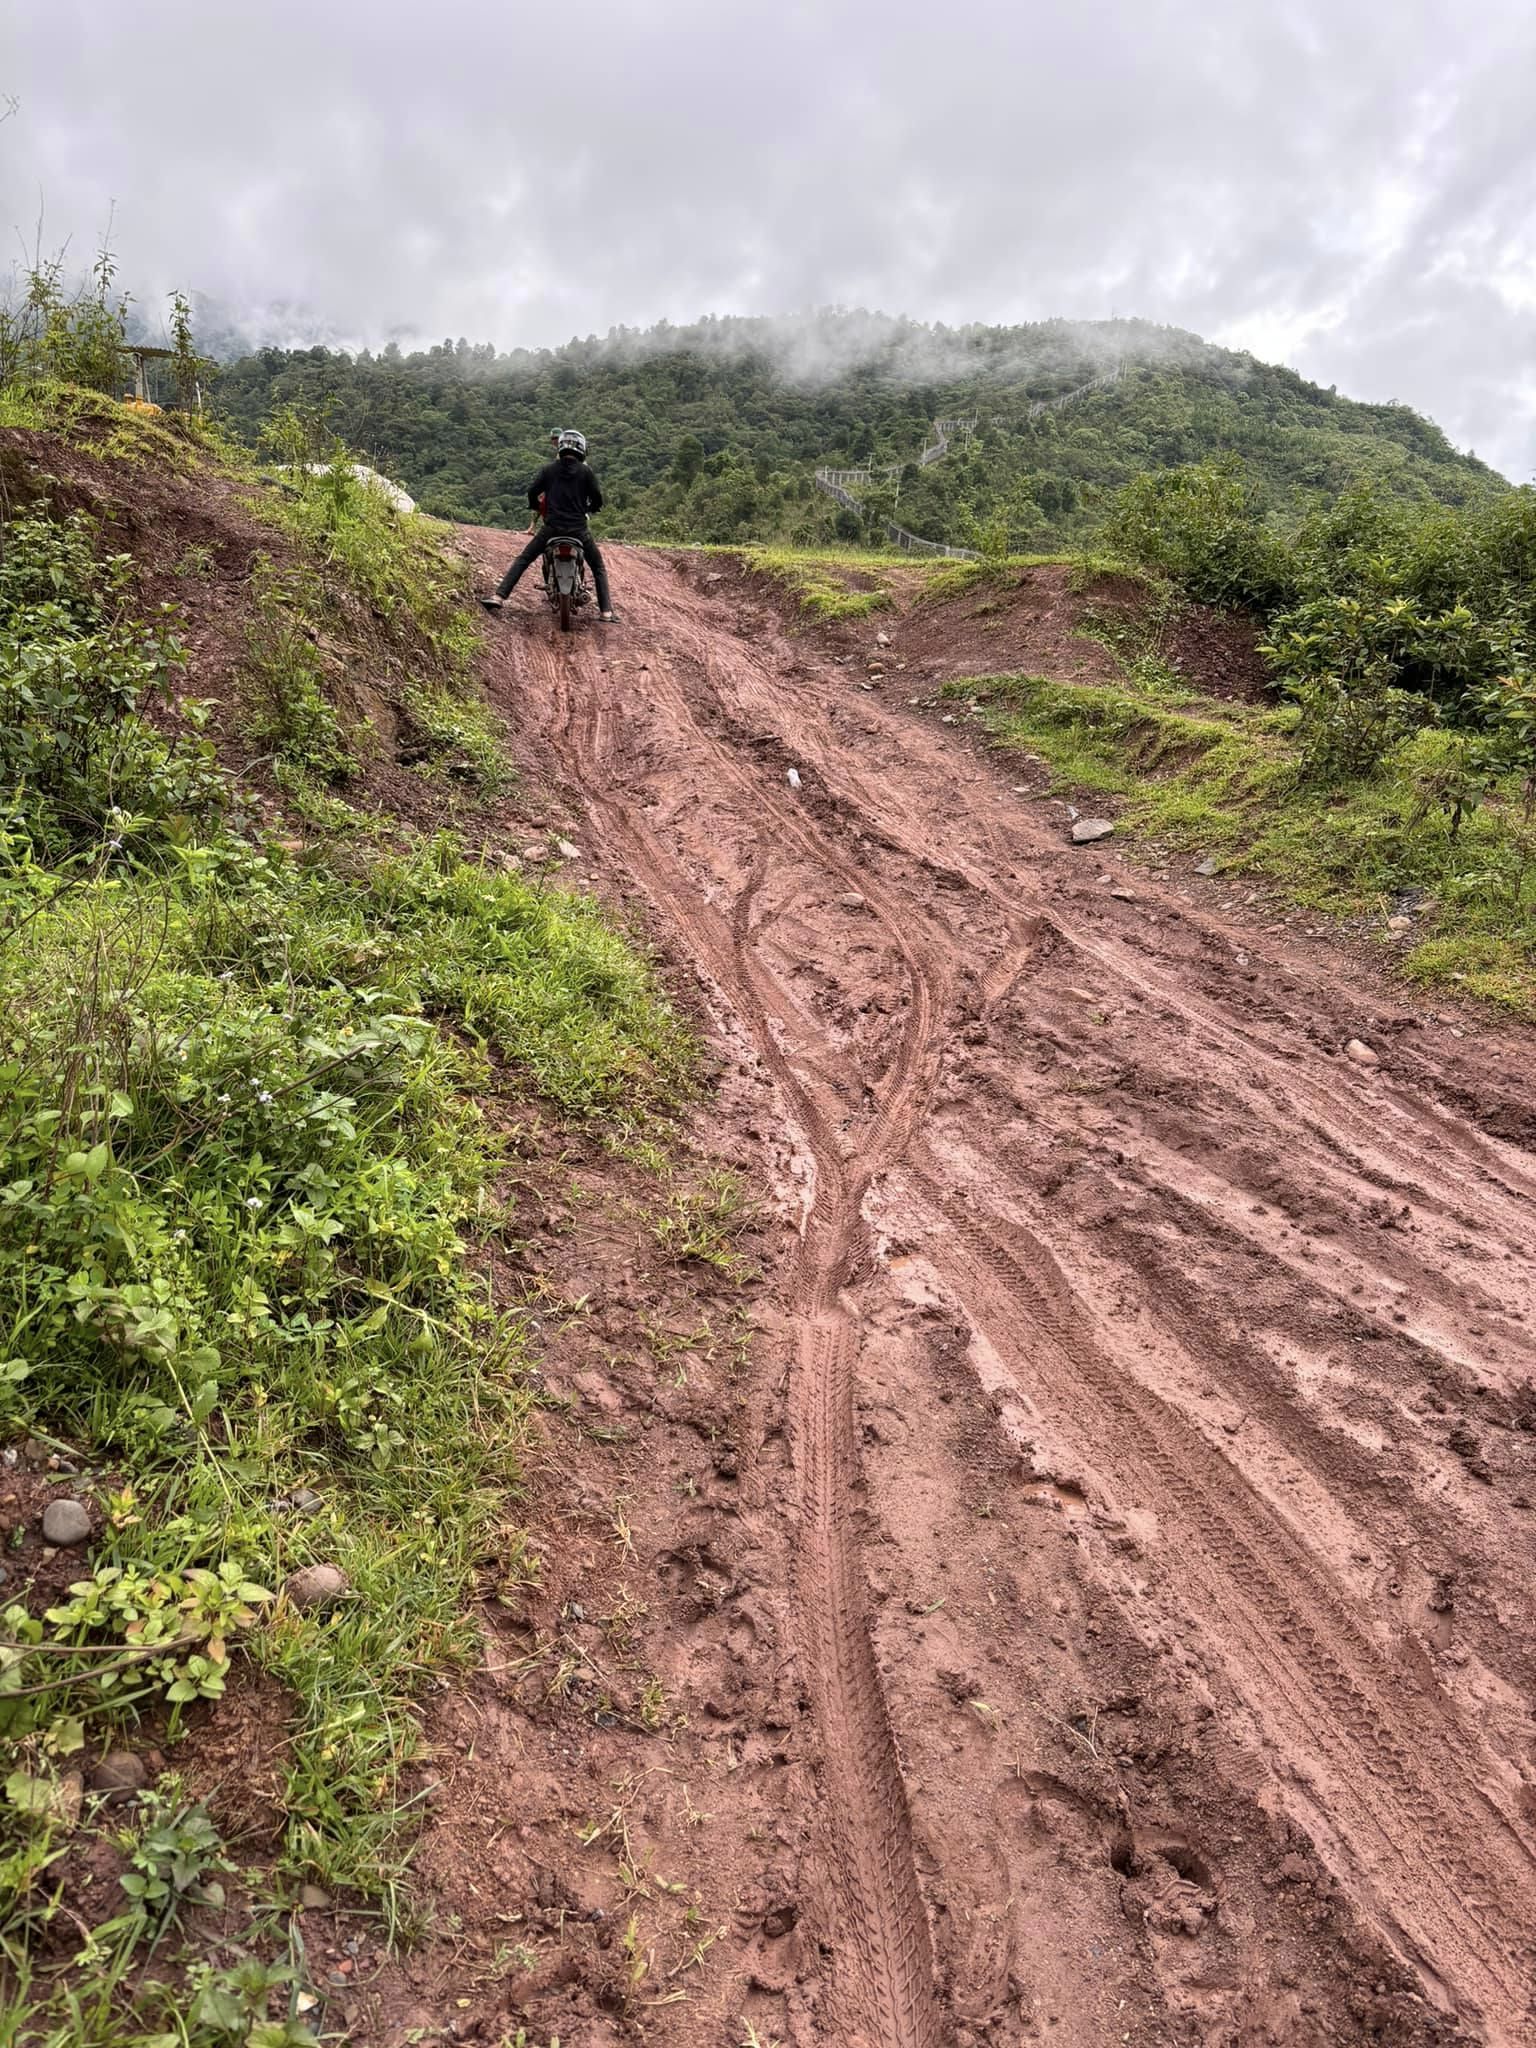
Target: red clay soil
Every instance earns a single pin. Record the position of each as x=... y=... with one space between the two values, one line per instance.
x=1028 y=623
x=1031 y=622
x=1097 y=1607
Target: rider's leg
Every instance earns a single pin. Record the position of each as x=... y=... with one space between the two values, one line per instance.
x=525 y=560
x=599 y=568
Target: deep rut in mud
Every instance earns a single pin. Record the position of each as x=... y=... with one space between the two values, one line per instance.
x=1257 y=1318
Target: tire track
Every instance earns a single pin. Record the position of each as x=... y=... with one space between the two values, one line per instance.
x=1391 y=1771
x=890 y=2000
x=1458 y=1862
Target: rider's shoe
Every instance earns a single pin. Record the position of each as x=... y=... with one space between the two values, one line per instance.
x=493 y=604
x=607 y=618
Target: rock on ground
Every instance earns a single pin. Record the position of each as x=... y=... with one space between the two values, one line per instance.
x=316 y=1585
x=65 y=1523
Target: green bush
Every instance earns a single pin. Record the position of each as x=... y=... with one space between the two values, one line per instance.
x=49 y=338
x=80 y=762
x=242 y=1173
x=1200 y=526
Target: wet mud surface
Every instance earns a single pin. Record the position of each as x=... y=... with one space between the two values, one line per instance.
x=1114 y=1621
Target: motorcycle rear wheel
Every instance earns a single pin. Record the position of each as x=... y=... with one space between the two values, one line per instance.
x=566 y=620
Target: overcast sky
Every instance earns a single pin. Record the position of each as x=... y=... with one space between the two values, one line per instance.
x=1348 y=186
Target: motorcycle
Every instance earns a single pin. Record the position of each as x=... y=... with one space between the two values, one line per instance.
x=565 y=578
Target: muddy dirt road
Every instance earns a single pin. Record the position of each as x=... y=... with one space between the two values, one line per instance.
x=1158 y=1379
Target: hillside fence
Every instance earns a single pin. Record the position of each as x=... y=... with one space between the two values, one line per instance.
x=838 y=483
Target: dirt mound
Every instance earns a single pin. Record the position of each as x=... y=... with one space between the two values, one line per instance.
x=1115 y=1622
x=1218 y=653
x=1028 y=621
x=1036 y=621
x=197 y=536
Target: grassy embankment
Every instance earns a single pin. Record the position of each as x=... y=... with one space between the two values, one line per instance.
x=1235 y=781
x=851 y=583
x=245 y=1163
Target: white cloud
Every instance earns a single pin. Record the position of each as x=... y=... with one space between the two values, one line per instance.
x=1348 y=188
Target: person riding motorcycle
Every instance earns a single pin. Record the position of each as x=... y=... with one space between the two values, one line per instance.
x=566 y=492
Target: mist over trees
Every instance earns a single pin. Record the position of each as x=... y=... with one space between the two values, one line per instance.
x=712 y=432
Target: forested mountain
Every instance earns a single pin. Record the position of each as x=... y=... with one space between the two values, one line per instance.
x=712 y=432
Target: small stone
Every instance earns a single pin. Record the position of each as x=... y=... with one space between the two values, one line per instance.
x=1124 y=895
x=535 y=852
x=316 y=1585
x=1399 y=924
x=65 y=1523
x=1087 y=830
x=312 y=1899
x=948 y=718
x=1208 y=867
x=852 y=901
x=118 y=1776
x=792 y=777
x=302 y=1501
x=1361 y=1054
x=567 y=850
x=882 y=639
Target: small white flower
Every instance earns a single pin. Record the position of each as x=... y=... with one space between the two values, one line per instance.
x=264 y=1095
x=253 y=1201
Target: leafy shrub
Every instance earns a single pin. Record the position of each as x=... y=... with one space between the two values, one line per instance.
x=48 y=336
x=80 y=762
x=1199 y=525
x=241 y=1169
x=1349 y=724
x=289 y=709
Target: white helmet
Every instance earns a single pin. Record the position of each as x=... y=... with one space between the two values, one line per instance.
x=572 y=442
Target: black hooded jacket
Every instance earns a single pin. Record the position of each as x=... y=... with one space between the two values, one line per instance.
x=570 y=492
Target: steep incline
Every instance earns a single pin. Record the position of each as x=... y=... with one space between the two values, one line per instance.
x=1099 y=1228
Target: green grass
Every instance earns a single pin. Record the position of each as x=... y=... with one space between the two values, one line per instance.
x=817 y=581
x=366 y=562
x=943 y=580
x=245 y=1175
x=704 y=1220
x=170 y=442
x=1223 y=779
x=818 y=578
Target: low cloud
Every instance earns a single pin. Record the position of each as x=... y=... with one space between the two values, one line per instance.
x=1350 y=195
